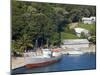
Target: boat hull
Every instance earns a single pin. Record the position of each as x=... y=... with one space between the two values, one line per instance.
x=46 y=62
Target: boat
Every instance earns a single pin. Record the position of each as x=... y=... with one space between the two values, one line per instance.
x=49 y=56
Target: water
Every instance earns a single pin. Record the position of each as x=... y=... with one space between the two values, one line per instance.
x=67 y=63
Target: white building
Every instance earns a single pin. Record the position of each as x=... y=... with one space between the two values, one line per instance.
x=87 y=20
x=75 y=43
x=78 y=31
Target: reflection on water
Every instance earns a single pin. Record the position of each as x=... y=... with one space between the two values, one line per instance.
x=67 y=63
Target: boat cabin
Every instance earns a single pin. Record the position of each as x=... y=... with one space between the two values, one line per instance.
x=51 y=52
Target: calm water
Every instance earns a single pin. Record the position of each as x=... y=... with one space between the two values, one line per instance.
x=67 y=63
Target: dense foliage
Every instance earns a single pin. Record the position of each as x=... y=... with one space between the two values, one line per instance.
x=43 y=22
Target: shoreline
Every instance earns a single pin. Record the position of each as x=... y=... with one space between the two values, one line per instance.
x=17 y=62
x=90 y=49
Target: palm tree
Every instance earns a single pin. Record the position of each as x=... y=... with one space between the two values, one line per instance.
x=14 y=47
x=24 y=42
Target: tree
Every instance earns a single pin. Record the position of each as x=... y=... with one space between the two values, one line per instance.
x=83 y=35
x=24 y=42
x=43 y=22
x=76 y=15
x=93 y=39
x=86 y=12
x=14 y=46
x=60 y=21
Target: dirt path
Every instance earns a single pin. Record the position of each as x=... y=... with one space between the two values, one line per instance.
x=73 y=25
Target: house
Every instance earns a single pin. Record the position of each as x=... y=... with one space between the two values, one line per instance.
x=78 y=31
x=75 y=43
x=90 y=20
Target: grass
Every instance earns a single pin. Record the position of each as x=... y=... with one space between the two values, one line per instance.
x=68 y=33
x=87 y=26
x=68 y=36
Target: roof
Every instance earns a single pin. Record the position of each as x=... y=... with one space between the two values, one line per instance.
x=75 y=41
x=84 y=18
x=89 y=18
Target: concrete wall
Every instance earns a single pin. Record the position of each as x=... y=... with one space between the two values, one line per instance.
x=75 y=46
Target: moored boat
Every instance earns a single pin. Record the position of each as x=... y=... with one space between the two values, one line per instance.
x=49 y=56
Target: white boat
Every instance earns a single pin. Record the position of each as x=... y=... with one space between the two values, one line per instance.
x=49 y=56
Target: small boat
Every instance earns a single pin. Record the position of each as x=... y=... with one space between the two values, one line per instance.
x=49 y=56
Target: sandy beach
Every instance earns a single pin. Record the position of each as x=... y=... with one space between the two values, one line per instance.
x=17 y=62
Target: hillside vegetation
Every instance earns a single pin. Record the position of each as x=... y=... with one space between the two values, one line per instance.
x=41 y=23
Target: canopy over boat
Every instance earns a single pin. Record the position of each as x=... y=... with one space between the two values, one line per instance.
x=56 y=50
